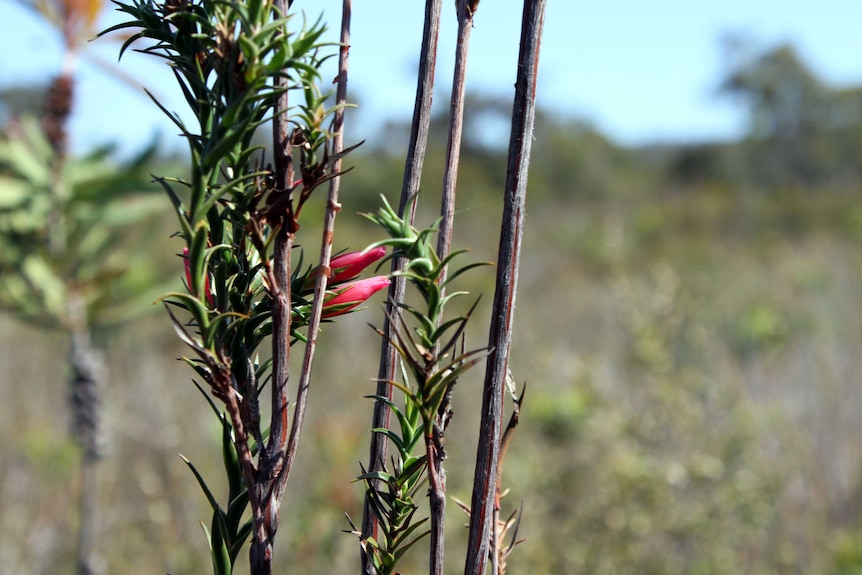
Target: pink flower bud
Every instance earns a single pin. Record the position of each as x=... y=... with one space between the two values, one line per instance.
x=351 y=295
x=188 y=268
x=347 y=266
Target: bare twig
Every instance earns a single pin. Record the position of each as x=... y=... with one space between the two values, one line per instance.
x=332 y=209
x=410 y=187
x=436 y=447
x=456 y=126
x=508 y=259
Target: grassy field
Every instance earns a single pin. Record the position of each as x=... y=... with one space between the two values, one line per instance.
x=692 y=404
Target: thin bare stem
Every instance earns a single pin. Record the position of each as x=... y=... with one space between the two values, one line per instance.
x=508 y=260
x=280 y=277
x=88 y=369
x=410 y=187
x=456 y=128
x=332 y=209
x=88 y=507
x=436 y=446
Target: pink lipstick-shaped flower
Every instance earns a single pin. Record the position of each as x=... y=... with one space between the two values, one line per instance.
x=347 y=266
x=351 y=295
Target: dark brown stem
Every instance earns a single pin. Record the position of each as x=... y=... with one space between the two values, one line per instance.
x=269 y=482
x=410 y=187
x=508 y=260
x=58 y=106
x=250 y=475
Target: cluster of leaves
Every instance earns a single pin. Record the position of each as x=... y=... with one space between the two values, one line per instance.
x=235 y=62
x=435 y=338
x=224 y=56
x=424 y=348
x=392 y=492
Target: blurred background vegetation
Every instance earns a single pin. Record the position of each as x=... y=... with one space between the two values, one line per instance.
x=688 y=326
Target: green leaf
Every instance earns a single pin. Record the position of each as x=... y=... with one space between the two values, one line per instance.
x=403 y=548
x=20 y=159
x=172 y=116
x=197 y=262
x=236 y=509
x=378 y=475
x=241 y=536
x=393 y=437
x=232 y=466
x=447 y=375
x=222 y=561
x=466 y=268
x=209 y=399
x=411 y=468
x=438 y=333
x=225 y=143
x=189 y=303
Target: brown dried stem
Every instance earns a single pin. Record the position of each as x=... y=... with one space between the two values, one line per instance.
x=410 y=187
x=332 y=209
x=436 y=446
x=456 y=128
x=508 y=260
x=270 y=480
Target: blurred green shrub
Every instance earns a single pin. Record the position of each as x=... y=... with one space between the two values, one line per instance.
x=653 y=464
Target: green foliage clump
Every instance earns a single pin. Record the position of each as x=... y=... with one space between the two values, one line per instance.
x=69 y=238
x=656 y=464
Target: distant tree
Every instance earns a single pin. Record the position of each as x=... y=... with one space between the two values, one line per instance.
x=785 y=102
x=843 y=118
x=798 y=125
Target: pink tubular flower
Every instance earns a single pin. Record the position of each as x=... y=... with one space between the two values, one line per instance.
x=351 y=295
x=347 y=266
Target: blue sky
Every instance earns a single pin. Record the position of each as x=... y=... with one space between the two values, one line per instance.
x=640 y=71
